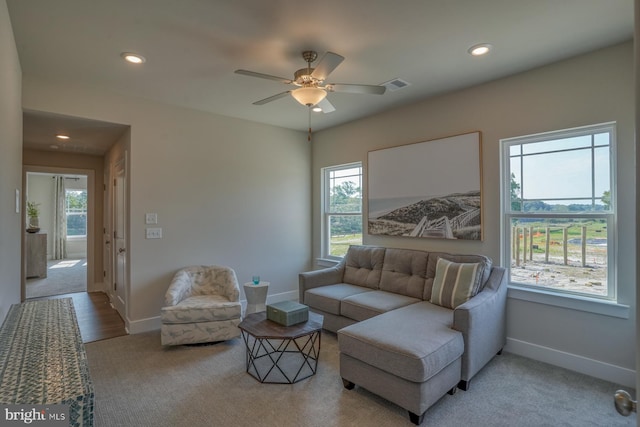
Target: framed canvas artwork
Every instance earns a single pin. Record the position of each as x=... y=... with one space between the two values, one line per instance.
x=429 y=189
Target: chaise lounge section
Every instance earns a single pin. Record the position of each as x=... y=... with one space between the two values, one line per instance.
x=412 y=325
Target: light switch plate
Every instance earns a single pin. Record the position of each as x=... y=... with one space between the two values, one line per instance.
x=154 y=233
x=151 y=218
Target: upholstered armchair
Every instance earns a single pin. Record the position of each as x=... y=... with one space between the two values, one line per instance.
x=202 y=305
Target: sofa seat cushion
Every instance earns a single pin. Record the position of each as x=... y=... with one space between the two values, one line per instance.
x=329 y=298
x=201 y=308
x=365 y=305
x=414 y=342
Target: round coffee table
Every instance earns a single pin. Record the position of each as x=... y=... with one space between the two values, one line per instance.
x=281 y=354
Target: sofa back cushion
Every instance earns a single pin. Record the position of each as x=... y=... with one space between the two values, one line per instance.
x=363 y=266
x=404 y=272
x=484 y=272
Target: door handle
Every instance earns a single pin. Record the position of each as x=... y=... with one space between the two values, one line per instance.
x=624 y=404
x=108 y=242
x=121 y=250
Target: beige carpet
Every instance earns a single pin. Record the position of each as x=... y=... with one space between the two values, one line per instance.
x=64 y=276
x=139 y=383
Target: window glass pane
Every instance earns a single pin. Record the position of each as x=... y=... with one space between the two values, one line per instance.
x=565 y=174
x=515 y=150
x=344 y=230
x=76 y=210
x=602 y=175
x=557 y=144
x=601 y=139
x=559 y=253
x=345 y=190
x=77 y=225
x=515 y=185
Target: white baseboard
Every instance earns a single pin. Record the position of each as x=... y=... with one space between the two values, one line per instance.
x=153 y=323
x=143 y=325
x=95 y=287
x=594 y=368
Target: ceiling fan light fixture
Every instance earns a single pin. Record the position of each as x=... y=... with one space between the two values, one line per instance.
x=316 y=109
x=309 y=96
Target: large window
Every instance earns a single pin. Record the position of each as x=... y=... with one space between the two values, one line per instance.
x=342 y=209
x=558 y=209
x=76 y=210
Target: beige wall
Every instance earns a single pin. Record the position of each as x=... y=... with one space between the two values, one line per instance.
x=51 y=161
x=10 y=165
x=589 y=89
x=226 y=191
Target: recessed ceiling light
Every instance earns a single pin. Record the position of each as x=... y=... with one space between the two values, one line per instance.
x=480 y=49
x=134 y=58
x=61 y=136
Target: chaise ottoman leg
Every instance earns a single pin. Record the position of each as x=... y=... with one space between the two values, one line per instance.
x=415 y=418
x=464 y=385
x=348 y=384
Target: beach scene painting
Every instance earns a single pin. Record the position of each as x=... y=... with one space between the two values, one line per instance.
x=429 y=189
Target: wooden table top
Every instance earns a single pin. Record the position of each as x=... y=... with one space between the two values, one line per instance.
x=259 y=326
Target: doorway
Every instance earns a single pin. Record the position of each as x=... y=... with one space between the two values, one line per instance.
x=58 y=259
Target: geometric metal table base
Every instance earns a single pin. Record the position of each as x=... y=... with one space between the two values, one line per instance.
x=282 y=361
x=279 y=354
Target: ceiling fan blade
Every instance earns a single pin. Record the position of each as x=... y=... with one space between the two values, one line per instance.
x=326 y=106
x=327 y=64
x=349 y=88
x=264 y=76
x=272 y=98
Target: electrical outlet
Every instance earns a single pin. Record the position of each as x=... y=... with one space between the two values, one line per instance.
x=154 y=233
x=151 y=218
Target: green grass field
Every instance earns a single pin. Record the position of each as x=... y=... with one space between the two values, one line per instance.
x=340 y=244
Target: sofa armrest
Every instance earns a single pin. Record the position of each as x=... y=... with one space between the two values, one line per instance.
x=313 y=279
x=482 y=321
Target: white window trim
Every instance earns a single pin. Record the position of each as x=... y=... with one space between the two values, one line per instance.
x=327 y=260
x=582 y=302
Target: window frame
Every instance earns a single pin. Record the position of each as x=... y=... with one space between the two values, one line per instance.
x=84 y=212
x=507 y=214
x=326 y=204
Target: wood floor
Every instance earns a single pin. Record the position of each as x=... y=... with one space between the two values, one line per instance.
x=97 y=319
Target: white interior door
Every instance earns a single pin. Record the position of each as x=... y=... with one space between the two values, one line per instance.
x=120 y=257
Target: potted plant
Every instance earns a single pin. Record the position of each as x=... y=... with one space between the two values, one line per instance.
x=33 y=212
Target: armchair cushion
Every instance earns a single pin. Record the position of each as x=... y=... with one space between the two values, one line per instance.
x=201 y=308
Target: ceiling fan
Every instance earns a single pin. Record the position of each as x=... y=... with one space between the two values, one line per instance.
x=311 y=87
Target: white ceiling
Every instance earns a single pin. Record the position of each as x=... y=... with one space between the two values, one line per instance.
x=192 y=47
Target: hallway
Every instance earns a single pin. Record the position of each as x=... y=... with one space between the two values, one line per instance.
x=97 y=319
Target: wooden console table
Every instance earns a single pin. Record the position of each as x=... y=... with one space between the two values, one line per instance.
x=36 y=255
x=43 y=360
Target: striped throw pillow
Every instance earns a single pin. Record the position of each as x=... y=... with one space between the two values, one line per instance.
x=455 y=283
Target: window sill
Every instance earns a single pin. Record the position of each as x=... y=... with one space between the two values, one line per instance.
x=325 y=262
x=573 y=302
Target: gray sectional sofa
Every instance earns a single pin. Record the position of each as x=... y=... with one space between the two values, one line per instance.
x=412 y=325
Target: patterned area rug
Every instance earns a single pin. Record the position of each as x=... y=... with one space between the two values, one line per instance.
x=64 y=276
x=43 y=360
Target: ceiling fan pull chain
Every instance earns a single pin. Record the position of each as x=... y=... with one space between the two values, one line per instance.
x=309 y=137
